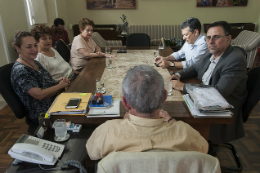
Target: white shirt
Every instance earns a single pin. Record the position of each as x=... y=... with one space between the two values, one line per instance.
x=207 y=75
x=56 y=65
x=192 y=53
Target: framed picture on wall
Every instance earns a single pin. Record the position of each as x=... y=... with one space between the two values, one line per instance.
x=111 y=4
x=221 y=3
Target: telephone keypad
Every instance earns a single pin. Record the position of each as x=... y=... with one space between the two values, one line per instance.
x=47 y=145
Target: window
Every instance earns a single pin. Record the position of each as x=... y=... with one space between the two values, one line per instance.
x=36 y=11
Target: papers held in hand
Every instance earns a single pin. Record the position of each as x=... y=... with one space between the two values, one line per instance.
x=207 y=102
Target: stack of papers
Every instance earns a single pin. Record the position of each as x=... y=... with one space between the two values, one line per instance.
x=111 y=111
x=198 y=114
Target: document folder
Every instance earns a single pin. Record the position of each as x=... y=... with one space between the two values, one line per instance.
x=59 y=104
x=197 y=114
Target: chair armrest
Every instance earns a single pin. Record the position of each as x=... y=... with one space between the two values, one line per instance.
x=114 y=43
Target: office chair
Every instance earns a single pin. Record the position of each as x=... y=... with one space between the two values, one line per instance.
x=242 y=50
x=101 y=42
x=250 y=42
x=63 y=50
x=138 y=40
x=12 y=99
x=253 y=97
x=159 y=161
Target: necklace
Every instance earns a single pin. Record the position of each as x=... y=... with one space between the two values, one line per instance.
x=33 y=66
x=87 y=44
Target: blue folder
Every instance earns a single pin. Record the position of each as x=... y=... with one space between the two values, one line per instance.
x=107 y=100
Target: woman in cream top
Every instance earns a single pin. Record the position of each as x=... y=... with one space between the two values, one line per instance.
x=48 y=57
x=83 y=47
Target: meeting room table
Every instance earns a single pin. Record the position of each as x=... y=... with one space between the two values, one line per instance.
x=177 y=108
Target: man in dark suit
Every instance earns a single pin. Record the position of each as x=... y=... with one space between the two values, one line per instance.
x=225 y=68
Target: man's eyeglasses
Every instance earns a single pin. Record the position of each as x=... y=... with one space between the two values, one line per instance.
x=214 y=38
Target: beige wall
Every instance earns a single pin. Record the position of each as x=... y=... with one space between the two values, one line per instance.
x=62 y=11
x=3 y=58
x=164 y=12
x=51 y=11
x=258 y=23
x=14 y=18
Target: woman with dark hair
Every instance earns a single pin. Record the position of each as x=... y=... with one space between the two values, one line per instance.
x=83 y=47
x=31 y=82
x=49 y=58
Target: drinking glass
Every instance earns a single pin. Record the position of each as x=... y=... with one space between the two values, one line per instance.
x=108 y=62
x=98 y=85
x=107 y=50
x=103 y=91
x=168 y=87
x=60 y=128
x=155 y=53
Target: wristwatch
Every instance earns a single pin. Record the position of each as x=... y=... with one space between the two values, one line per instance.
x=172 y=64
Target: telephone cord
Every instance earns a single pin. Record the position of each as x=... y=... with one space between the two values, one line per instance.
x=73 y=163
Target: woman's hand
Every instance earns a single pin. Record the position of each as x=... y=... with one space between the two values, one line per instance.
x=109 y=55
x=64 y=82
x=99 y=53
x=166 y=116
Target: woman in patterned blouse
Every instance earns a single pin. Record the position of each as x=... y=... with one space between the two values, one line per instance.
x=31 y=82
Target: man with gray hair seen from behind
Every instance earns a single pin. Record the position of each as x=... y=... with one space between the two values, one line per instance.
x=145 y=126
x=193 y=49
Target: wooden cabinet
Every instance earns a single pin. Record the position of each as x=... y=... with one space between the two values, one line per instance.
x=236 y=28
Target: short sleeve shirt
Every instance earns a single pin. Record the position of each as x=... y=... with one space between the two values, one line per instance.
x=23 y=78
x=78 y=60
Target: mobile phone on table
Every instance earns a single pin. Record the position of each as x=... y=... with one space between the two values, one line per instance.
x=73 y=103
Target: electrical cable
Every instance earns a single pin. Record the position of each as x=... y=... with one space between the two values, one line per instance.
x=67 y=163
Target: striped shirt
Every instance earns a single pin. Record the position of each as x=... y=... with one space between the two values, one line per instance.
x=207 y=75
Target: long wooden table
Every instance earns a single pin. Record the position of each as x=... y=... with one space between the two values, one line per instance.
x=85 y=82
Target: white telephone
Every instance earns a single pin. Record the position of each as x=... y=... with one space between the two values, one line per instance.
x=31 y=149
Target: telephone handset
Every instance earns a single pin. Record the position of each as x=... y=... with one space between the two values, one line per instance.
x=31 y=149
x=21 y=148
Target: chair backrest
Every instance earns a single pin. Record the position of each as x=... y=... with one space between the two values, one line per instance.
x=8 y=93
x=250 y=42
x=159 y=162
x=138 y=40
x=99 y=40
x=242 y=50
x=63 y=50
x=157 y=31
x=253 y=97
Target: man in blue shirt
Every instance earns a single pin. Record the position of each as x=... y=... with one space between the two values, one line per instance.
x=193 y=49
